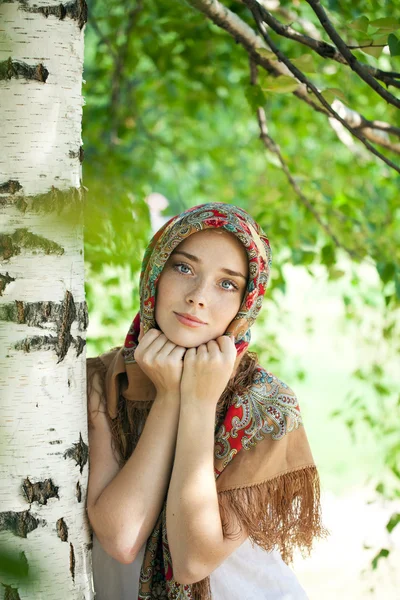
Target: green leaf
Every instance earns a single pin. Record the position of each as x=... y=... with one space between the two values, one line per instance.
x=360 y=24
x=266 y=53
x=382 y=390
x=397 y=283
x=279 y=85
x=331 y=93
x=386 y=271
x=380 y=38
x=254 y=96
x=305 y=63
x=387 y=23
x=335 y=274
x=383 y=553
x=393 y=521
x=394 y=45
x=14 y=564
x=372 y=50
x=328 y=257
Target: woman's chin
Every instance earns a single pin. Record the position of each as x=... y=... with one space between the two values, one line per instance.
x=187 y=339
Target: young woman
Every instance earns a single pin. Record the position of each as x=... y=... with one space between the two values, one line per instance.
x=202 y=482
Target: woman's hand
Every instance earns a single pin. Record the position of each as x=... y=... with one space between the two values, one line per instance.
x=161 y=360
x=207 y=370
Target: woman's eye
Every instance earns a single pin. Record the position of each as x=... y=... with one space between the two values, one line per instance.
x=181 y=266
x=234 y=286
x=178 y=266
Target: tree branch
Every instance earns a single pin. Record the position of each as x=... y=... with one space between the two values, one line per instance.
x=254 y=7
x=119 y=64
x=350 y=58
x=93 y=23
x=322 y=48
x=246 y=36
x=273 y=147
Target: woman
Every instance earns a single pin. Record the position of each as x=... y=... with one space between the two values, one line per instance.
x=202 y=482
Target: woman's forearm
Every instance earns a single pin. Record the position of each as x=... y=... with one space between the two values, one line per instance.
x=193 y=518
x=126 y=511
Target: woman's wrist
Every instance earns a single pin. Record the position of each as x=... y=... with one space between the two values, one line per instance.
x=198 y=405
x=168 y=397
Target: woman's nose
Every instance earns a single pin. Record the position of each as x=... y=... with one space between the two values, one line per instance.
x=197 y=295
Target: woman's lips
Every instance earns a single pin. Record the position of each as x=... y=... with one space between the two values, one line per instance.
x=188 y=322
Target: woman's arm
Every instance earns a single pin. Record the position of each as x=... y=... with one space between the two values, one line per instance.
x=123 y=505
x=194 y=527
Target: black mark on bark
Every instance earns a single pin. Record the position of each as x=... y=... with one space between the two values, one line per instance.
x=54 y=201
x=11 y=244
x=79 y=344
x=47 y=342
x=78 y=491
x=17 y=69
x=19 y=524
x=77 y=154
x=74 y=10
x=82 y=315
x=64 y=329
x=10 y=187
x=62 y=530
x=4 y=281
x=40 y=491
x=39 y=314
x=10 y=593
x=72 y=561
x=55 y=442
x=78 y=452
x=18 y=201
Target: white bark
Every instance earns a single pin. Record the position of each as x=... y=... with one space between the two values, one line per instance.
x=43 y=399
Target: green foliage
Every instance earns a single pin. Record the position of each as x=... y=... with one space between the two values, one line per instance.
x=383 y=553
x=14 y=571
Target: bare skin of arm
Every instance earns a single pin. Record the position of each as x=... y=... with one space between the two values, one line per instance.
x=124 y=504
x=194 y=527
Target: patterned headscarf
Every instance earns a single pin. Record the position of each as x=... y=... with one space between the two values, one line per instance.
x=264 y=470
x=214 y=215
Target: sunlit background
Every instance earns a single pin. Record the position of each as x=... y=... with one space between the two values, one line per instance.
x=170 y=122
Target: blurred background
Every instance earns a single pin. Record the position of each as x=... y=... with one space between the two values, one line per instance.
x=173 y=119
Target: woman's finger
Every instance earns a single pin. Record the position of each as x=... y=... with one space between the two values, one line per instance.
x=167 y=348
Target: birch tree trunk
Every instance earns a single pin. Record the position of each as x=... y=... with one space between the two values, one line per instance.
x=43 y=317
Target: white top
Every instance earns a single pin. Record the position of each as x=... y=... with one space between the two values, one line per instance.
x=249 y=573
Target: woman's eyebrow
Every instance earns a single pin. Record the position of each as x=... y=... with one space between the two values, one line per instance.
x=196 y=259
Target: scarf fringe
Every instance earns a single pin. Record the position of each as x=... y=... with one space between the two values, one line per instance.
x=283 y=512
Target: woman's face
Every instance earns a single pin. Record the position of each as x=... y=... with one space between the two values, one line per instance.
x=196 y=281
